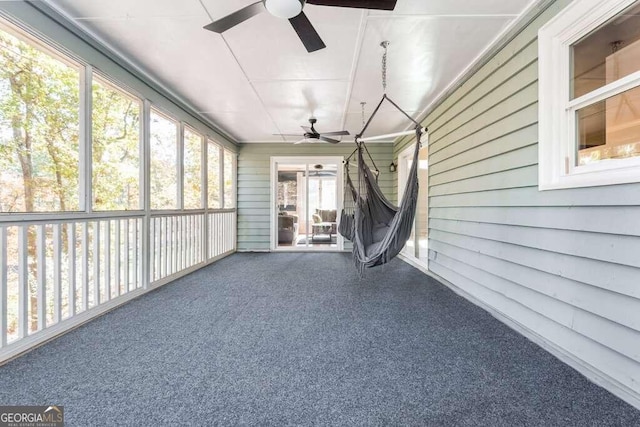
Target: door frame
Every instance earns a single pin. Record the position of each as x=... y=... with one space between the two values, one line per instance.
x=273 y=189
x=403 y=171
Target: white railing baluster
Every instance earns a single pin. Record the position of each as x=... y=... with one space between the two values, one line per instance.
x=186 y=238
x=107 y=261
x=212 y=231
x=179 y=244
x=23 y=282
x=186 y=246
x=152 y=248
x=185 y=241
x=159 y=247
x=208 y=233
x=217 y=219
x=198 y=236
x=136 y=269
x=57 y=273
x=41 y=269
x=116 y=258
x=230 y=232
x=71 y=251
x=85 y=266
x=167 y=246
x=170 y=245
x=218 y=233
x=155 y=237
x=226 y=232
x=118 y=283
x=216 y=226
x=194 y=239
x=176 y=243
x=126 y=259
x=96 y=263
x=4 y=295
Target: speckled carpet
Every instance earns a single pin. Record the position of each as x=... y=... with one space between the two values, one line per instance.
x=299 y=339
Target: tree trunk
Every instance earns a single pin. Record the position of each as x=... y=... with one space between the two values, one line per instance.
x=23 y=147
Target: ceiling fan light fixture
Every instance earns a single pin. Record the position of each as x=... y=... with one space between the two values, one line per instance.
x=284 y=8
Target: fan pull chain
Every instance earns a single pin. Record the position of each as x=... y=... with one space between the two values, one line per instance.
x=384 y=45
x=362 y=104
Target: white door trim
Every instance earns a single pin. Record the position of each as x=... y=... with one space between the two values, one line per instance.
x=337 y=160
x=403 y=157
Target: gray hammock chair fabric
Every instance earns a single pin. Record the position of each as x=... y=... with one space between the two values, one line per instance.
x=378 y=229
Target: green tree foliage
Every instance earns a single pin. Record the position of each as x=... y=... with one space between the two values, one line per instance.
x=192 y=169
x=164 y=162
x=39 y=126
x=115 y=149
x=213 y=175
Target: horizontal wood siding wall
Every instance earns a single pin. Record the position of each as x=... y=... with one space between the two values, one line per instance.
x=564 y=264
x=254 y=187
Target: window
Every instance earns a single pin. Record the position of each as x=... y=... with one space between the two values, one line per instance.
x=192 y=169
x=164 y=162
x=115 y=148
x=590 y=95
x=213 y=174
x=229 y=199
x=39 y=127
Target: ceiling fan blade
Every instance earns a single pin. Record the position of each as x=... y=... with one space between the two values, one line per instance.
x=285 y=134
x=338 y=133
x=307 y=129
x=329 y=140
x=300 y=142
x=229 y=21
x=360 y=4
x=308 y=35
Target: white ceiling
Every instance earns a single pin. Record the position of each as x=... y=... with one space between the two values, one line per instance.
x=257 y=79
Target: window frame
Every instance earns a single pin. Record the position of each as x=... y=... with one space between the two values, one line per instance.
x=557 y=112
x=234 y=157
x=158 y=110
x=203 y=174
x=23 y=33
x=210 y=141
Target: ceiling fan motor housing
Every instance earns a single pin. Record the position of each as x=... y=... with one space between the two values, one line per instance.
x=284 y=8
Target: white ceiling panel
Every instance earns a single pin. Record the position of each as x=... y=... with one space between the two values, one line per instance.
x=257 y=79
x=130 y=9
x=292 y=103
x=269 y=49
x=423 y=57
x=249 y=125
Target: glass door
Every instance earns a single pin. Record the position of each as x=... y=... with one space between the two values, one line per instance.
x=307 y=203
x=417 y=246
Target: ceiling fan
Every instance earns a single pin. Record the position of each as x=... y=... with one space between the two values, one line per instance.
x=292 y=10
x=312 y=135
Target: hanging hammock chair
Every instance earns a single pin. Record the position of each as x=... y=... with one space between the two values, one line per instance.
x=378 y=229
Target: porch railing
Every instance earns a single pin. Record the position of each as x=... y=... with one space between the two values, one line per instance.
x=57 y=272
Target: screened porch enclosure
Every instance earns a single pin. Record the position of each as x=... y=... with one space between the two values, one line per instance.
x=105 y=193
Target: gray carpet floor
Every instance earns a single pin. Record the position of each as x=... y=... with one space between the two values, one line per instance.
x=299 y=339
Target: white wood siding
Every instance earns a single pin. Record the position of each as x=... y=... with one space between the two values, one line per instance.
x=254 y=185
x=564 y=264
